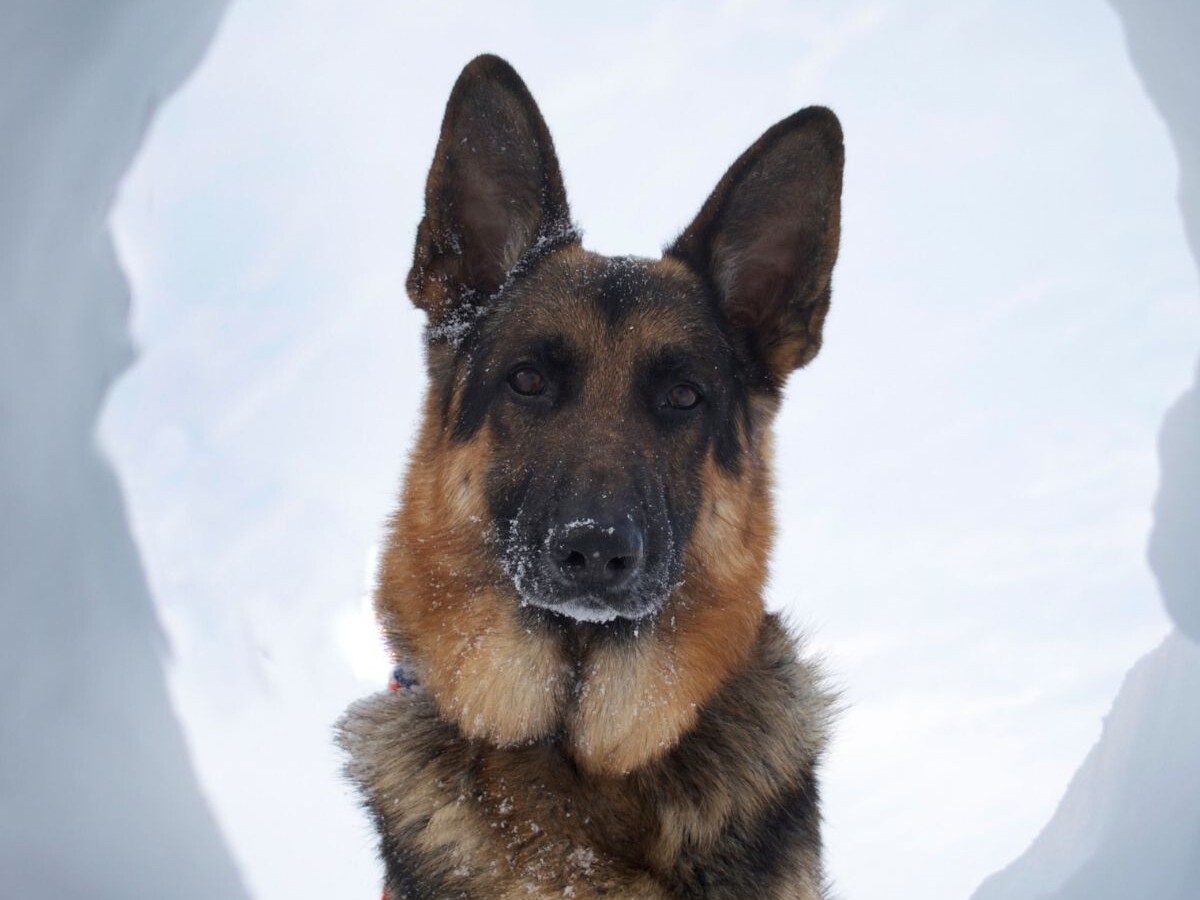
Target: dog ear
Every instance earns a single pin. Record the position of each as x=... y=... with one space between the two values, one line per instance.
x=767 y=238
x=494 y=191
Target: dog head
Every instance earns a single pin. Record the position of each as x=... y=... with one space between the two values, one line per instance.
x=594 y=453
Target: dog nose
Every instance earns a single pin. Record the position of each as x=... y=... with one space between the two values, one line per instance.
x=595 y=556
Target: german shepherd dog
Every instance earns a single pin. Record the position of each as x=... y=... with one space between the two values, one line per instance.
x=596 y=702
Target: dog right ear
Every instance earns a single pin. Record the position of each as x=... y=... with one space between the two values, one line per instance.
x=494 y=191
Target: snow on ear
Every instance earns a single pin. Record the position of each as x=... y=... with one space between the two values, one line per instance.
x=494 y=191
x=767 y=239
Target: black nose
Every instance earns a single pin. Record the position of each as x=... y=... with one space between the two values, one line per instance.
x=591 y=555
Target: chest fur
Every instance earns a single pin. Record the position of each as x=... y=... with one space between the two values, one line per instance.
x=729 y=813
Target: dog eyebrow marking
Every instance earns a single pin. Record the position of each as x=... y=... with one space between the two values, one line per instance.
x=672 y=359
x=552 y=350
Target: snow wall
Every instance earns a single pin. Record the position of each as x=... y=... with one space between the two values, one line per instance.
x=98 y=797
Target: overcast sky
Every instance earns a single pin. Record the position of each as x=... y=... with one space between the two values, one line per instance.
x=965 y=473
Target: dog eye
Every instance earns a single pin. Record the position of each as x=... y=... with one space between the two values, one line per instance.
x=683 y=396
x=527 y=381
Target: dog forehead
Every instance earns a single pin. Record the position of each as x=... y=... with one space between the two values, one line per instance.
x=612 y=307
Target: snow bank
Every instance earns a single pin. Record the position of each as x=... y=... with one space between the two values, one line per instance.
x=97 y=795
x=1129 y=823
x=1161 y=42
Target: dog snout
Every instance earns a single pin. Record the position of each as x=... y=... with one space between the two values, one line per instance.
x=590 y=555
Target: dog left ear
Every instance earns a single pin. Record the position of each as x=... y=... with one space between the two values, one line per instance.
x=767 y=239
x=494 y=190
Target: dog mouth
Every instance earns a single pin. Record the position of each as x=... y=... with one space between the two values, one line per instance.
x=588 y=607
x=594 y=610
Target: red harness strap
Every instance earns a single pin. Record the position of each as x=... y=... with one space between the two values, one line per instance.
x=403 y=678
